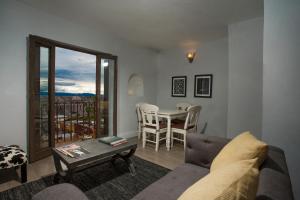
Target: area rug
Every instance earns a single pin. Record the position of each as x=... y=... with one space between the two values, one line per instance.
x=99 y=182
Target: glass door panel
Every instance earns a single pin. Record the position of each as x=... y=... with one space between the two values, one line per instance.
x=42 y=100
x=40 y=115
x=75 y=95
x=106 y=101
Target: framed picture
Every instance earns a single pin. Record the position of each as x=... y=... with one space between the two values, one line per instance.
x=179 y=86
x=203 y=85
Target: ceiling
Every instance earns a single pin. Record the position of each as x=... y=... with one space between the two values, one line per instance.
x=157 y=24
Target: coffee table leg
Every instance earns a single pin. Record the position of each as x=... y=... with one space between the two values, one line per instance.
x=127 y=159
x=60 y=173
x=130 y=166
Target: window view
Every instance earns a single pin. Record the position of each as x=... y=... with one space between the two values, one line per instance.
x=75 y=95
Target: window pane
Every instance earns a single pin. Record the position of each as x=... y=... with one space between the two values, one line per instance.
x=42 y=125
x=106 y=97
x=75 y=94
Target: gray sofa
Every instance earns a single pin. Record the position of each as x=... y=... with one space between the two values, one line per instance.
x=274 y=181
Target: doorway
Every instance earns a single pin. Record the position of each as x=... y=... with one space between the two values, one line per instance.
x=72 y=95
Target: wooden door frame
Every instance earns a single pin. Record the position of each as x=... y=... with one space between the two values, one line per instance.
x=35 y=41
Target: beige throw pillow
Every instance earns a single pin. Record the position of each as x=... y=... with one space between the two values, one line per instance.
x=243 y=147
x=237 y=181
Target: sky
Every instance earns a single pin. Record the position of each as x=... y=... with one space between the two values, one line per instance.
x=75 y=72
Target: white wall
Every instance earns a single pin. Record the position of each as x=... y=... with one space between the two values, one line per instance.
x=211 y=58
x=17 y=21
x=245 y=41
x=281 y=95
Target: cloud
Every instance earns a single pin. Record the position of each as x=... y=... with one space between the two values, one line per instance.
x=75 y=72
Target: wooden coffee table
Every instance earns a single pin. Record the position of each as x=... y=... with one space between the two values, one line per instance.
x=99 y=153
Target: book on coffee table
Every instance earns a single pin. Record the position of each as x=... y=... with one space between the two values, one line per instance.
x=113 y=140
x=72 y=150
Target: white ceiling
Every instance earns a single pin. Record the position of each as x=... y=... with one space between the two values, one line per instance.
x=157 y=24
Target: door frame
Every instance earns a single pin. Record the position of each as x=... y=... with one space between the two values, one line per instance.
x=37 y=41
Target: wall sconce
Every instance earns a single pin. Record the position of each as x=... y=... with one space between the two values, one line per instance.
x=190 y=56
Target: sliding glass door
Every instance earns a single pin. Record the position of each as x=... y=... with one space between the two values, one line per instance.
x=40 y=99
x=72 y=95
x=106 y=98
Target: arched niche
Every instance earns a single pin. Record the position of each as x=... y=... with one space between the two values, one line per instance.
x=135 y=85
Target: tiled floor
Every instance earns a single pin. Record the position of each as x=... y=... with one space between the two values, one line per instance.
x=169 y=159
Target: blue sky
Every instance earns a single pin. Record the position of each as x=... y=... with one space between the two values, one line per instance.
x=75 y=72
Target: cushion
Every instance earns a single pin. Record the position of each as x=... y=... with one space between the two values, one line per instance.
x=161 y=126
x=181 y=126
x=243 y=147
x=173 y=184
x=12 y=156
x=237 y=181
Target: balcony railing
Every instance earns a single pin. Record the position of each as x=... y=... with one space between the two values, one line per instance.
x=75 y=118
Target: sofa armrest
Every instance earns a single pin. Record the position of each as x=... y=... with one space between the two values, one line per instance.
x=202 y=149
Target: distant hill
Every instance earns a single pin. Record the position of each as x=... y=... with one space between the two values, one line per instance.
x=62 y=94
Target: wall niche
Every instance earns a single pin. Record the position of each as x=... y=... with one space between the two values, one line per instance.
x=136 y=85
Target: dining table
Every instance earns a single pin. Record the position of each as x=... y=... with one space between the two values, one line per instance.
x=170 y=114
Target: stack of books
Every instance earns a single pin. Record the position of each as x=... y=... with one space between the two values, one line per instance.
x=72 y=150
x=113 y=140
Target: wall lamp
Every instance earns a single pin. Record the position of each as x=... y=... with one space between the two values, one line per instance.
x=190 y=56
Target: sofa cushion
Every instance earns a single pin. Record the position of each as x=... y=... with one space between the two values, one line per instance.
x=173 y=184
x=243 y=147
x=236 y=181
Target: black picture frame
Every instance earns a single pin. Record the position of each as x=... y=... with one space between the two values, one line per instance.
x=179 y=86
x=203 y=85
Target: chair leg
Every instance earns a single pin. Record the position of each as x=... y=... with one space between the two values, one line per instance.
x=24 y=173
x=172 y=139
x=144 y=138
x=157 y=142
x=184 y=141
x=139 y=131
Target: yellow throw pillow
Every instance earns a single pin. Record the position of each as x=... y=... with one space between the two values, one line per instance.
x=237 y=181
x=243 y=147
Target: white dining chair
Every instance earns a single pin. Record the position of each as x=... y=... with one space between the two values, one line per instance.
x=139 y=119
x=179 y=130
x=181 y=106
x=152 y=126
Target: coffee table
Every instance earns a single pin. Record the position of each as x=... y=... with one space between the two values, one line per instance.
x=99 y=153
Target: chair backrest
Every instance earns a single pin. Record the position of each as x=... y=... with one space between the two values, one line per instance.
x=149 y=115
x=138 y=111
x=192 y=117
x=183 y=106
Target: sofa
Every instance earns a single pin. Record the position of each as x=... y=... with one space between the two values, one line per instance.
x=274 y=180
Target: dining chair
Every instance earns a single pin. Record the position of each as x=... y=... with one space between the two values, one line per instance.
x=190 y=125
x=152 y=128
x=139 y=119
x=181 y=106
